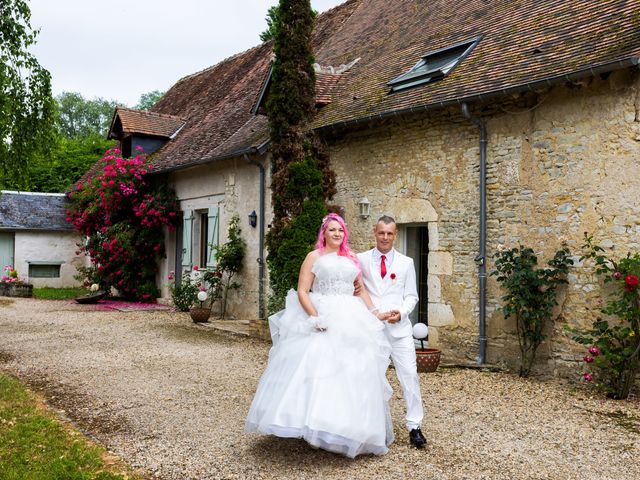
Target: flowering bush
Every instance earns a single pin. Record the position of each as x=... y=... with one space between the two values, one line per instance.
x=185 y=295
x=123 y=214
x=10 y=275
x=613 y=358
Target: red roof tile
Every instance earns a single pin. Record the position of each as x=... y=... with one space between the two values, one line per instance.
x=523 y=43
x=127 y=121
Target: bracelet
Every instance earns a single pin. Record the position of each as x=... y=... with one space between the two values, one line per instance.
x=374 y=309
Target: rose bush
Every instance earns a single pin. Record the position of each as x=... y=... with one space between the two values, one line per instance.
x=123 y=213
x=614 y=343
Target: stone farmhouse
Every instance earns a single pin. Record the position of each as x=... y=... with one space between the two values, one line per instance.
x=419 y=103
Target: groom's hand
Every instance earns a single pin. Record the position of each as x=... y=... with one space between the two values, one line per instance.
x=394 y=316
x=357 y=287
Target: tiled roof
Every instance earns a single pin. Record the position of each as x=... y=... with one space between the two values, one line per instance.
x=522 y=42
x=217 y=104
x=33 y=211
x=127 y=121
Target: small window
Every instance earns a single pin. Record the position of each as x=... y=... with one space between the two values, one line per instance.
x=44 y=271
x=433 y=67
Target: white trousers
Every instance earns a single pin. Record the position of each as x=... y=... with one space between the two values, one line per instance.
x=403 y=354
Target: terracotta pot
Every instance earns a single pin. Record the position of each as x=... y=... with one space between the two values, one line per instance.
x=200 y=314
x=427 y=359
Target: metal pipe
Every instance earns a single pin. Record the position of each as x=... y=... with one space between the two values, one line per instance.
x=481 y=258
x=260 y=259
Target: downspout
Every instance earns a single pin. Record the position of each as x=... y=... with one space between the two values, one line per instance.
x=260 y=259
x=481 y=258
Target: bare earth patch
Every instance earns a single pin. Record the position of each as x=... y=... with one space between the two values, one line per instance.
x=170 y=397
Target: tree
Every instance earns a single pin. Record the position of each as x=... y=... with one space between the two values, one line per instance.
x=149 y=99
x=272 y=22
x=81 y=118
x=78 y=142
x=26 y=104
x=301 y=178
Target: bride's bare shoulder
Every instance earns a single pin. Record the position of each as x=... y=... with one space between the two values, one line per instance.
x=313 y=255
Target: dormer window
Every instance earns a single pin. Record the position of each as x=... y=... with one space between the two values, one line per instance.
x=433 y=66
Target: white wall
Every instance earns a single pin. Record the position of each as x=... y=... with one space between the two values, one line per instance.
x=52 y=247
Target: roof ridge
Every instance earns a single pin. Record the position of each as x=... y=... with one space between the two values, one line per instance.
x=221 y=62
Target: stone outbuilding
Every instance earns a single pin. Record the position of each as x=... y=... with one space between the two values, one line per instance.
x=478 y=128
x=37 y=240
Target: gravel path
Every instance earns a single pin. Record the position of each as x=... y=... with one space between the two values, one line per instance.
x=169 y=397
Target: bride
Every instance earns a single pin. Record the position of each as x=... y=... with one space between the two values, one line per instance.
x=326 y=377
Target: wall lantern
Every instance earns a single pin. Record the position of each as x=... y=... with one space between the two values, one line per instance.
x=253 y=219
x=365 y=207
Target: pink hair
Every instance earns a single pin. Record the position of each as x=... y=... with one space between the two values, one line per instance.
x=344 y=250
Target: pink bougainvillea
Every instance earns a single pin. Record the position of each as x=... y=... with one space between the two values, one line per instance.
x=123 y=214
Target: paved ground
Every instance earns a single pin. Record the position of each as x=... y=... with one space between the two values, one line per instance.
x=169 y=397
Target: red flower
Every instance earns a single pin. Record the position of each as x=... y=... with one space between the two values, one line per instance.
x=393 y=276
x=631 y=282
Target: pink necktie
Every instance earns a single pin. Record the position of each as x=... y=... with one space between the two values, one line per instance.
x=383 y=266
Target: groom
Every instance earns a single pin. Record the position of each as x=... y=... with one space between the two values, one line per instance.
x=390 y=279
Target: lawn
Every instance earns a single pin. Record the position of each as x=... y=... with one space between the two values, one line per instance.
x=34 y=445
x=48 y=293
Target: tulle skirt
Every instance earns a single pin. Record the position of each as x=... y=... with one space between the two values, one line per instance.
x=329 y=388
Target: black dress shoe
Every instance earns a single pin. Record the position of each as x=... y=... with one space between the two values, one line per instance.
x=416 y=438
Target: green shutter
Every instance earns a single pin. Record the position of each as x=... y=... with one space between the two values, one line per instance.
x=212 y=236
x=6 y=250
x=187 y=228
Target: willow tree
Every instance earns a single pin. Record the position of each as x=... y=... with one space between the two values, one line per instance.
x=26 y=105
x=301 y=179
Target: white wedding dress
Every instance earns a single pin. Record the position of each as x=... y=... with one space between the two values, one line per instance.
x=330 y=387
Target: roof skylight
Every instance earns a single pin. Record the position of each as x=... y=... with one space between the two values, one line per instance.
x=433 y=67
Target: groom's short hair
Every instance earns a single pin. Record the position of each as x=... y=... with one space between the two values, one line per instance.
x=386 y=219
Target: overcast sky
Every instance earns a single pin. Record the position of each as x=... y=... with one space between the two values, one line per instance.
x=120 y=49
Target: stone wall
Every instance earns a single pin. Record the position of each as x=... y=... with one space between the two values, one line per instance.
x=559 y=166
x=233 y=185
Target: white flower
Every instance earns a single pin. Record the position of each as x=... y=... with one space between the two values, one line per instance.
x=95 y=287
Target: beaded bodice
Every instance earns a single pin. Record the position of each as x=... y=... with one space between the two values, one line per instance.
x=334 y=275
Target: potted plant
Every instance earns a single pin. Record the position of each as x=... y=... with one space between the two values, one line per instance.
x=200 y=314
x=427 y=359
x=12 y=286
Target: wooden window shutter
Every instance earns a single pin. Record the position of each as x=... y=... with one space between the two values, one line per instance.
x=212 y=235
x=187 y=229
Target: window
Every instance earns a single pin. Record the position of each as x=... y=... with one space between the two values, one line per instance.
x=44 y=270
x=204 y=242
x=433 y=66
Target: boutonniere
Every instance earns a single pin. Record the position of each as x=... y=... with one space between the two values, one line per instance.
x=393 y=277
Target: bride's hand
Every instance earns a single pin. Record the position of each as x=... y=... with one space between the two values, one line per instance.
x=382 y=316
x=319 y=324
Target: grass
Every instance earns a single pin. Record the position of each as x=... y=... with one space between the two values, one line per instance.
x=48 y=293
x=34 y=445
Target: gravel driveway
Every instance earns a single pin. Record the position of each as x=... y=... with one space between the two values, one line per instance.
x=170 y=397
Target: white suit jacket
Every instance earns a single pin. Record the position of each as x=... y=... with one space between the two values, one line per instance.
x=399 y=293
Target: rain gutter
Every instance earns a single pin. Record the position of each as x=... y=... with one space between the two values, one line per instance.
x=530 y=86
